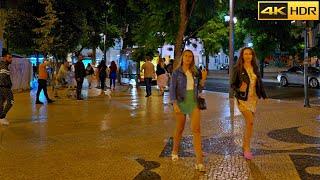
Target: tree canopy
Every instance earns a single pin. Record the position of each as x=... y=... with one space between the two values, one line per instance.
x=59 y=27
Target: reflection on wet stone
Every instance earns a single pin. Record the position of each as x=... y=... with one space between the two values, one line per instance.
x=63 y=139
x=147 y=174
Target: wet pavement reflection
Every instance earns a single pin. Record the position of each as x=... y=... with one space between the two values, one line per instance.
x=129 y=136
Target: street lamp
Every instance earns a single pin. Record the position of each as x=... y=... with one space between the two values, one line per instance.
x=227 y=19
x=306 y=34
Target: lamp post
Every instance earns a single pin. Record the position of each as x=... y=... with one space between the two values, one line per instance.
x=231 y=54
x=231 y=43
x=305 y=65
x=104 y=41
x=306 y=34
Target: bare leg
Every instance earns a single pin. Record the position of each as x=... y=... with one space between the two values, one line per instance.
x=180 y=122
x=248 y=116
x=195 y=127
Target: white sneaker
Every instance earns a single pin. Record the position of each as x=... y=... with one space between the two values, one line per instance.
x=4 y=121
x=174 y=157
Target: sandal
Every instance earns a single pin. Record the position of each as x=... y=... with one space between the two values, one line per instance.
x=174 y=157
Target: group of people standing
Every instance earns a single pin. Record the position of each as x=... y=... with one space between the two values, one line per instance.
x=188 y=81
x=67 y=76
x=103 y=70
x=64 y=76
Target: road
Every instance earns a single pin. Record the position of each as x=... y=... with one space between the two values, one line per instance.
x=273 y=90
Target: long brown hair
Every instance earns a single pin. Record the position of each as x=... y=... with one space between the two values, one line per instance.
x=240 y=61
x=192 y=68
x=161 y=62
x=113 y=66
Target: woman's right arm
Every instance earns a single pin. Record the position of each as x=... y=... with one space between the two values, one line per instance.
x=173 y=86
x=235 y=80
x=173 y=92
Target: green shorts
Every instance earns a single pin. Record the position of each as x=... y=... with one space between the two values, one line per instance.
x=189 y=103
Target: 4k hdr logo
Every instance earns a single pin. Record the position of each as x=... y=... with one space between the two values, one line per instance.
x=288 y=10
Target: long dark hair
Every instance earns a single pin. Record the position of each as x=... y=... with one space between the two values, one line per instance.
x=113 y=66
x=240 y=61
x=102 y=66
x=160 y=61
x=102 y=63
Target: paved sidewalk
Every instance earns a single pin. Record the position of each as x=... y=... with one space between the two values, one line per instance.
x=130 y=137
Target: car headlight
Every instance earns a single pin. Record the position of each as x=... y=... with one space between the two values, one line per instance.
x=279 y=77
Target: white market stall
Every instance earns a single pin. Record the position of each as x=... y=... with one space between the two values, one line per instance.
x=21 y=74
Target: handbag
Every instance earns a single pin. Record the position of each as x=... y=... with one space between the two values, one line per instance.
x=202 y=105
x=241 y=95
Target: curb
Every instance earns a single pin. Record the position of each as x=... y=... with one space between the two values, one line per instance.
x=264 y=79
x=285 y=101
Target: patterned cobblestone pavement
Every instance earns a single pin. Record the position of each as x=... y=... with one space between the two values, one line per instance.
x=130 y=137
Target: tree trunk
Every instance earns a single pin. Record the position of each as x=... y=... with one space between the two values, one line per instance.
x=207 y=61
x=138 y=79
x=94 y=53
x=261 y=64
x=261 y=67
x=182 y=29
x=77 y=53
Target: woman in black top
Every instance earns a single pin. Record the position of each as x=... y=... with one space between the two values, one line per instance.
x=89 y=72
x=102 y=74
x=248 y=88
x=162 y=78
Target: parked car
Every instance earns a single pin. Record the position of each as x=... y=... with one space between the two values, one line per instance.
x=295 y=75
x=224 y=67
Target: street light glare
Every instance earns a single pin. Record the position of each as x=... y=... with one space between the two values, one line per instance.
x=227 y=19
x=235 y=20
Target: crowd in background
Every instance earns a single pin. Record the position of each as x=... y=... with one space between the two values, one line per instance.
x=70 y=77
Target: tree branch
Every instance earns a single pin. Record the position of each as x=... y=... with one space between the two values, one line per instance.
x=192 y=33
x=192 y=8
